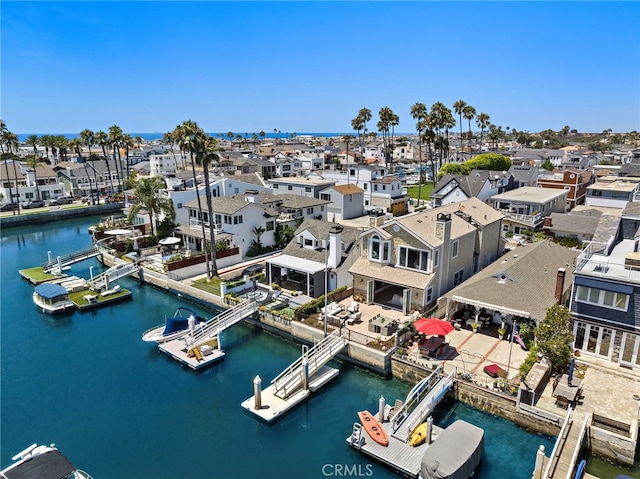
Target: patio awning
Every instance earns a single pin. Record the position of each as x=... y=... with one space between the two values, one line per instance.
x=297 y=264
x=495 y=307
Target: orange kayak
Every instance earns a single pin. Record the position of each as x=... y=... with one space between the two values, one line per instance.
x=373 y=428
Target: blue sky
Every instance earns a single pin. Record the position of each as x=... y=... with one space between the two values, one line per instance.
x=310 y=66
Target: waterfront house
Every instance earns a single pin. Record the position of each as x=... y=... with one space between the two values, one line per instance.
x=520 y=285
x=346 y=201
x=612 y=192
x=525 y=208
x=605 y=300
x=573 y=180
x=408 y=262
x=523 y=175
x=320 y=253
x=309 y=186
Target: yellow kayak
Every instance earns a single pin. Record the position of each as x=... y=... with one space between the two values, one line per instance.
x=418 y=435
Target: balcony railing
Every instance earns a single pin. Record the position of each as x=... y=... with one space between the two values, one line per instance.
x=532 y=220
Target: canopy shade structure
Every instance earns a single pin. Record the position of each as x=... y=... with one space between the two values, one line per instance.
x=297 y=264
x=169 y=241
x=119 y=232
x=433 y=326
x=50 y=290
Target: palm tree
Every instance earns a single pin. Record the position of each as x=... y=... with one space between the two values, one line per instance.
x=459 y=107
x=482 y=120
x=32 y=140
x=128 y=143
x=4 y=134
x=469 y=114
x=33 y=162
x=185 y=134
x=10 y=140
x=148 y=189
x=115 y=139
x=419 y=112
x=347 y=139
x=262 y=134
x=206 y=154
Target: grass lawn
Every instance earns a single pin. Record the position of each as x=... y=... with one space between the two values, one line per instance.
x=425 y=191
x=37 y=274
x=212 y=286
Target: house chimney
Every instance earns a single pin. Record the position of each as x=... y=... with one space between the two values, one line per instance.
x=335 y=246
x=560 y=284
x=251 y=196
x=547 y=221
x=443 y=226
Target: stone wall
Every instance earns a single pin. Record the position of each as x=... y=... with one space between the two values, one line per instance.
x=57 y=215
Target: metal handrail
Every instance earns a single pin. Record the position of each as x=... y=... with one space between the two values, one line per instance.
x=221 y=321
x=556 y=447
x=576 y=451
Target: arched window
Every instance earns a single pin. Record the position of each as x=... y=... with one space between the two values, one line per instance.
x=378 y=249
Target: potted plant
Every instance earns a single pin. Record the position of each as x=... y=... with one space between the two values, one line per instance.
x=475 y=326
x=501 y=332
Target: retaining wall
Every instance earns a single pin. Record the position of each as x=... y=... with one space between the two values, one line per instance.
x=23 y=219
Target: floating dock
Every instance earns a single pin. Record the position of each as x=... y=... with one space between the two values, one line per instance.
x=400 y=421
x=203 y=346
x=306 y=375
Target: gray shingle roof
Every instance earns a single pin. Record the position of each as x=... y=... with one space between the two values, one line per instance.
x=533 y=268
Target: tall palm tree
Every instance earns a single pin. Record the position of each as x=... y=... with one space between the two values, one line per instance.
x=419 y=112
x=185 y=134
x=10 y=140
x=206 y=155
x=4 y=134
x=148 y=190
x=127 y=142
x=482 y=120
x=469 y=114
x=115 y=140
x=459 y=107
x=33 y=162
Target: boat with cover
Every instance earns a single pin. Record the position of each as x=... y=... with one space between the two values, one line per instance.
x=455 y=453
x=42 y=462
x=373 y=428
x=182 y=322
x=52 y=298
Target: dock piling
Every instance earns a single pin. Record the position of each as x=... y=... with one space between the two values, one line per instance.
x=257 y=392
x=429 y=429
x=305 y=373
x=381 y=409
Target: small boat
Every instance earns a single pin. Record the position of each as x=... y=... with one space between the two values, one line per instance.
x=373 y=428
x=52 y=298
x=111 y=291
x=418 y=435
x=42 y=462
x=90 y=298
x=173 y=328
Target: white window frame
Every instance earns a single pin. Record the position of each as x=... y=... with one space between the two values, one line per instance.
x=455 y=246
x=403 y=252
x=384 y=249
x=597 y=297
x=458 y=277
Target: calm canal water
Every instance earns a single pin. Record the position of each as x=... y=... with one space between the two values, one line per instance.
x=119 y=408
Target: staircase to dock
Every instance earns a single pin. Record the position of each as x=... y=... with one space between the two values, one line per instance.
x=213 y=327
x=70 y=258
x=292 y=378
x=562 y=462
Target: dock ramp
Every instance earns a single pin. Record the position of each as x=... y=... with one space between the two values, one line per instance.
x=102 y=281
x=69 y=259
x=562 y=462
x=209 y=329
x=313 y=359
x=420 y=403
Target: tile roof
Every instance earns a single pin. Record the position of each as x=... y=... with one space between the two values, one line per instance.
x=531 y=272
x=348 y=189
x=391 y=274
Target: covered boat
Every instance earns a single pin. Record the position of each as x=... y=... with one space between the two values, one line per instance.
x=42 y=462
x=455 y=453
x=183 y=320
x=52 y=298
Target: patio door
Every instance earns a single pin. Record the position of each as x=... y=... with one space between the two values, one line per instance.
x=630 y=350
x=406 y=301
x=370 y=291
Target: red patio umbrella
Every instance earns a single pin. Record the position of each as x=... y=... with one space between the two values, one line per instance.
x=433 y=326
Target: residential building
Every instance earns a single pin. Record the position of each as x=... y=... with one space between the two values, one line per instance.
x=605 y=300
x=614 y=193
x=166 y=164
x=573 y=180
x=525 y=208
x=478 y=184
x=309 y=186
x=523 y=175
x=579 y=225
x=408 y=262
x=521 y=285
x=346 y=201
x=318 y=258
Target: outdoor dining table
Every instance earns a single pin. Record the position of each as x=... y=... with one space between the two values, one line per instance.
x=429 y=346
x=566 y=393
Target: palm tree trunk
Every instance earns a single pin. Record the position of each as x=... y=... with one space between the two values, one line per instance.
x=214 y=267
x=419 y=169
x=6 y=168
x=204 y=238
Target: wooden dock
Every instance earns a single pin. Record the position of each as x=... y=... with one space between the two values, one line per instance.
x=562 y=462
x=178 y=350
